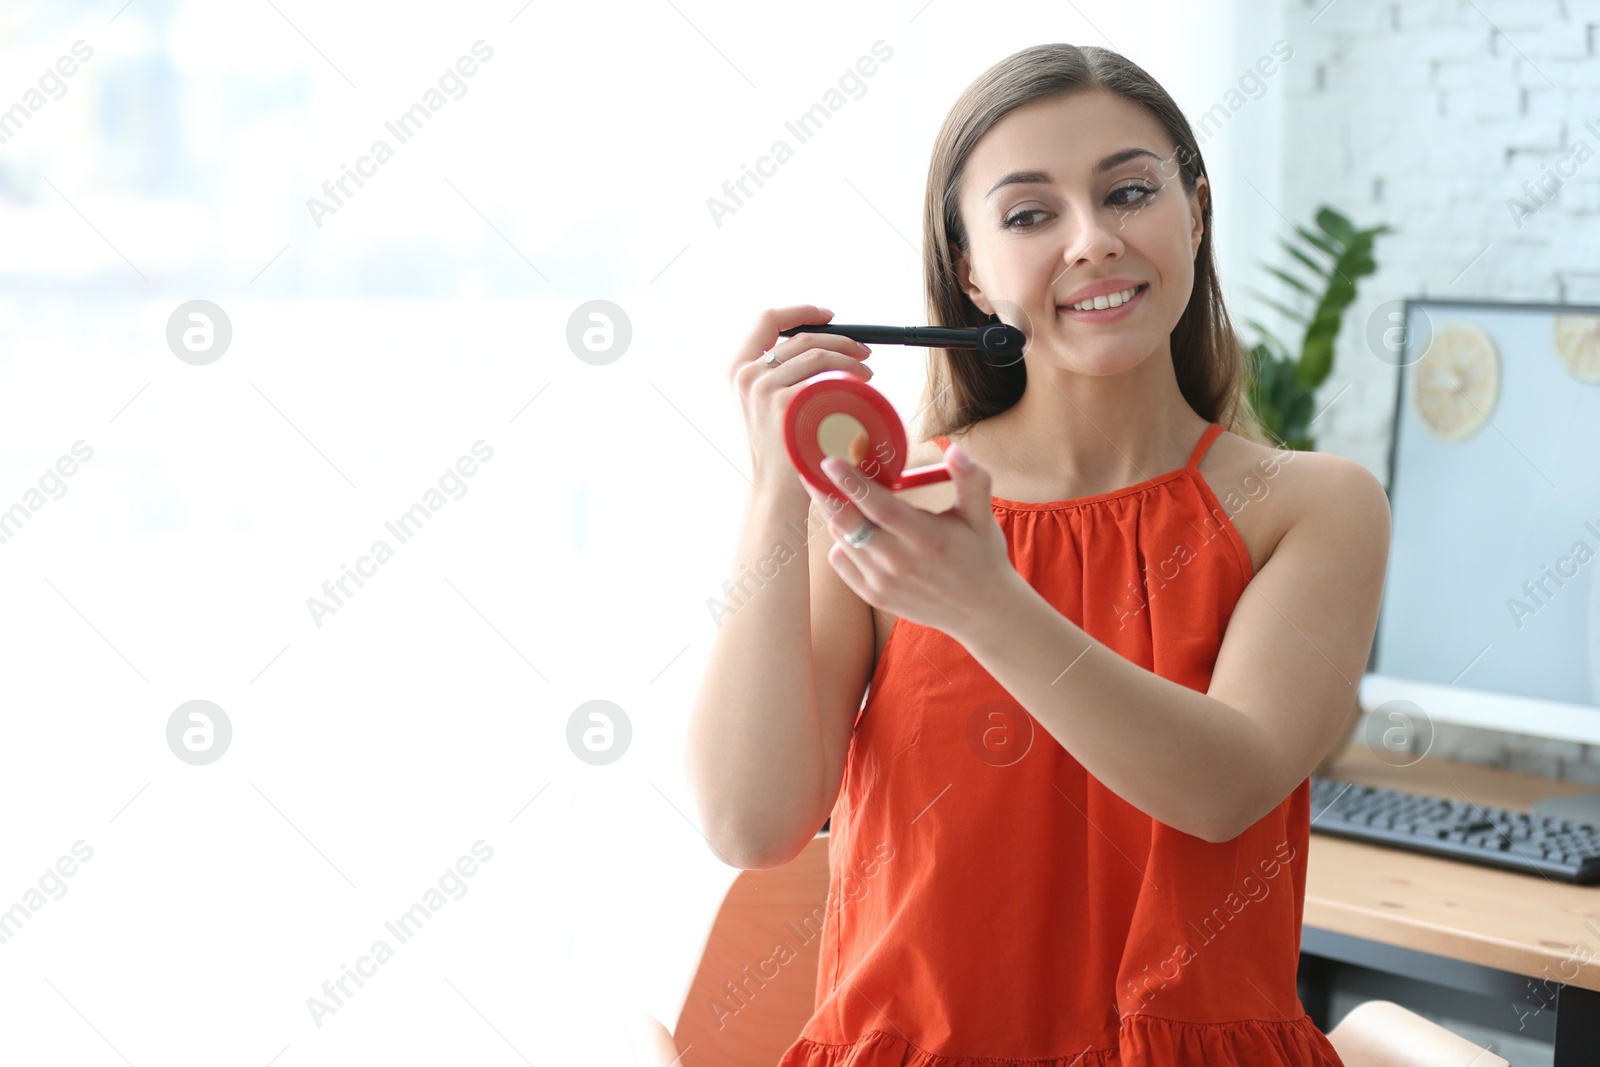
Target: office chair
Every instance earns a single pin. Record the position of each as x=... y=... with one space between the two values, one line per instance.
x=1380 y=1033
x=785 y=904
x=752 y=1024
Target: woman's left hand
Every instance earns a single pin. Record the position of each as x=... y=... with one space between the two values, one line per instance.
x=948 y=570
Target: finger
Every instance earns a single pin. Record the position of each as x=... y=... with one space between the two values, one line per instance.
x=772 y=321
x=832 y=355
x=840 y=515
x=767 y=335
x=973 y=485
x=870 y=499
x=843 y=560
x=789 y=349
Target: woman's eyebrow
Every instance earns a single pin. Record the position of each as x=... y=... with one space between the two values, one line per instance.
x=1039 y=177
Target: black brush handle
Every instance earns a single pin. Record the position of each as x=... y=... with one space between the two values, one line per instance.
x=995 y=339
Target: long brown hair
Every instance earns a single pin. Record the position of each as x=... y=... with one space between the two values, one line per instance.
x=1209 y=361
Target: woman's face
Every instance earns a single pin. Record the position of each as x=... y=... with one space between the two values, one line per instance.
x=1074 y=197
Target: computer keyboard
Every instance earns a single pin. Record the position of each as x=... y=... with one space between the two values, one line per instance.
x=1457 y=829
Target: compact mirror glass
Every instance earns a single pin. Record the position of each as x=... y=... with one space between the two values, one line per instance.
x=837 y=432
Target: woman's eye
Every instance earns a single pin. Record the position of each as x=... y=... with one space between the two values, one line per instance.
x=1118 y=200
x=1011 y=220
x=1144 y=192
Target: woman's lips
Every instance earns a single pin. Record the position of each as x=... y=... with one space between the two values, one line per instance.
x=1104 y=315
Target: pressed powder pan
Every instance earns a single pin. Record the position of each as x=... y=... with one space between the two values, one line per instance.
x=837 y=414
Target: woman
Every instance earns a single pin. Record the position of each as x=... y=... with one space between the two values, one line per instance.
x=1069 y=826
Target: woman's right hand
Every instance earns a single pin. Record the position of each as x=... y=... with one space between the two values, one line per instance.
x=765 y=390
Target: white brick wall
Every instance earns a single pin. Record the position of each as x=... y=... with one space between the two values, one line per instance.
x=1429 y=115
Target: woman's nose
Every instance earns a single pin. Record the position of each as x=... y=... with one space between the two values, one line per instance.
x=1097 y=236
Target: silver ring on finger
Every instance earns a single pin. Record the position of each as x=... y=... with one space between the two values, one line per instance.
x=772 y=358
x=859 y=537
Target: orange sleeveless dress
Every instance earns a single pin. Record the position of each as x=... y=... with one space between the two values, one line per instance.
x=991 y=903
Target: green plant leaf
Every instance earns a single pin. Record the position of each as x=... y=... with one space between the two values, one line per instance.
x=1271 y=421
x=1270 y=347
x=1335 y=225
x=1341 y=291
x=1320 y=242
x=1361 y=242
x=1259 y=328
x=1282 y=385
x=1312 y=265
x=1296 y=316
x=1324 y=327
x=1298 y=417
x=1358 y=266
x=1293 y=281
x=1316 y=360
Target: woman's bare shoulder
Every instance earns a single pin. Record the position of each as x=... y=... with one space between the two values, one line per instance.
x=1307 y=476
x=1268 y=490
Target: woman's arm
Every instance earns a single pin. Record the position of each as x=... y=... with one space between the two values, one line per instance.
x=1212 y=764
x=755 y=755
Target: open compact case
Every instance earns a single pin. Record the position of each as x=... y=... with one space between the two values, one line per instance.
x=837 y=414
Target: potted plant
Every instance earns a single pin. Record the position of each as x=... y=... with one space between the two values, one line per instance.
x=1282 y=385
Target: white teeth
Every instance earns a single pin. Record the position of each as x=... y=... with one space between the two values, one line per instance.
x=1100 y=303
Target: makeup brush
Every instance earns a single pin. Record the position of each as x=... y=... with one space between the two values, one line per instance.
x=1000 y=344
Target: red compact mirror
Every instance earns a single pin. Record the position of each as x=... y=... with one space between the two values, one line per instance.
x=837 y=414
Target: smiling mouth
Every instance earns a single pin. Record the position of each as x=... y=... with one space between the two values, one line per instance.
x=1090 y=311
x=1106 y=302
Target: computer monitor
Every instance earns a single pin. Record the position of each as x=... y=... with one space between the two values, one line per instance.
x=1490 y=614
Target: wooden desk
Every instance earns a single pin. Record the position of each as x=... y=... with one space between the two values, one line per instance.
x=1528 y=948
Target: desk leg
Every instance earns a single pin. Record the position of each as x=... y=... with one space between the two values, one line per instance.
x=1315 y=981
x=1577 y=1027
